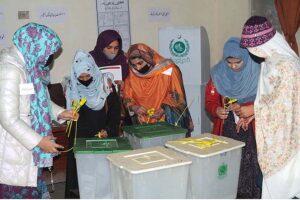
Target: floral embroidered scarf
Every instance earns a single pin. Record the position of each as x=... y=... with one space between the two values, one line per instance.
x=277 y=106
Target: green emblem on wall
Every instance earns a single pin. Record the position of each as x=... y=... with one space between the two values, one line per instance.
x=179 y=47
x=222 y=170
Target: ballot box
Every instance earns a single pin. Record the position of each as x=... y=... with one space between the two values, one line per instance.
x=215 y=168
x=94 y=177
x=150 y=135
x=155 y=173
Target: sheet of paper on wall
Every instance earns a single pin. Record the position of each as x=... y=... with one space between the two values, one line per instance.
x=115 y=70
x=52 y=14
x=114 y=14
x=159 y=14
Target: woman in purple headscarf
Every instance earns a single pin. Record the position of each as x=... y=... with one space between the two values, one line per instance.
x=108 y=52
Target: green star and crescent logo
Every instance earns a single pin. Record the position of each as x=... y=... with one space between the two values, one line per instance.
x=222 y=170
x=179 y=47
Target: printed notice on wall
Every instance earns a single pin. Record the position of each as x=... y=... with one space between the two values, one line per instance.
x=114 y=14
x=159 y=14
x=52 y=14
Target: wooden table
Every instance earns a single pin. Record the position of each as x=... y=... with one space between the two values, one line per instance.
x=60 y=161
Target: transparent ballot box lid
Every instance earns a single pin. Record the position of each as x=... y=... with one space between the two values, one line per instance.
x=153 y=130
x=205 y=145
x=148 y=159
x=101 y=146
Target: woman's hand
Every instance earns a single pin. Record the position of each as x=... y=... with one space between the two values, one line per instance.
x=244 y=123
x=139 y=110
x=47 y=145
x=244 y=111
x=158 y=114
x=104 y=133
x=222 y=113
x=120 y=83
x=68 y=115
x=234 y=107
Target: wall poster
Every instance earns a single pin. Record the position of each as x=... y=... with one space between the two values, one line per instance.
x=114 y=14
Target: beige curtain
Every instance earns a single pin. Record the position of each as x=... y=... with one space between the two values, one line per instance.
x=289 y=16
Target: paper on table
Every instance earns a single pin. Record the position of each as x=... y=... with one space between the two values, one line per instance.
x=115 y=70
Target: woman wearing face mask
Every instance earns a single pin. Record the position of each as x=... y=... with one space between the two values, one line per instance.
x=276 y=108
x=97 y=116
x=108 y=52
x=155 y=83
x=26 y=141
x=236 y=76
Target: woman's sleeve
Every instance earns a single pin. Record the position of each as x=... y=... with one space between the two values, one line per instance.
x=56 y=111
x=113 y=114
x=9 y=108
x=128 y=93
x=176 y=98
x=212 y=99
x=176 y=91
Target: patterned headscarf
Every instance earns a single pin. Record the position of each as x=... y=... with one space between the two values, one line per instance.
x=240 y=84
x=94 y=93
x=36 y=43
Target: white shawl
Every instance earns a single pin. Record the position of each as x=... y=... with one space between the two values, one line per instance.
x=277 y=114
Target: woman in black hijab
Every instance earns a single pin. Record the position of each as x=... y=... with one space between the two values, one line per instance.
x=108 y=52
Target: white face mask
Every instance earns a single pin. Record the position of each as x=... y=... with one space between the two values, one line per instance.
x=258 y=52
x=110 y=56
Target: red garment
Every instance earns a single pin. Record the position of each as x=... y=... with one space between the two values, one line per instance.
x=213 y=100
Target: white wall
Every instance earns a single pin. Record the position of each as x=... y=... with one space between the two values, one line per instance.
x=78 y=31
x=221 y=18
x=267 y=8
